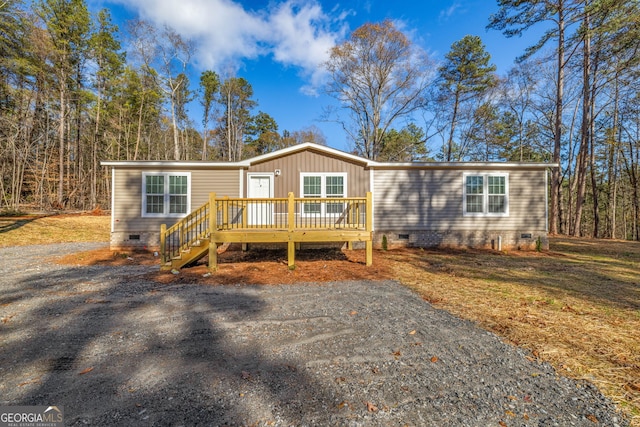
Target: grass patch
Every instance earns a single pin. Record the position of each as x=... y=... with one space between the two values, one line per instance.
x=576 y=306
x=35 y=230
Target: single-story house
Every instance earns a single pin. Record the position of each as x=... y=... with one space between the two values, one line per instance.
x=460 y=204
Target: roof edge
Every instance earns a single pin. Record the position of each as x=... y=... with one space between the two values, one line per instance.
x=463 y=165
x=174 y=163
x=305 y=146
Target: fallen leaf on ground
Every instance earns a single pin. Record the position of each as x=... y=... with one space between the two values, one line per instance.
x=95 y=301
x=371 y=407
x=592 y=418
x=86 y=371
x=412 y=332
x=632 y=387
x=434 y=359
x=33 y=381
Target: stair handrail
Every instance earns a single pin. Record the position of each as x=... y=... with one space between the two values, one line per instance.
x=191 y=228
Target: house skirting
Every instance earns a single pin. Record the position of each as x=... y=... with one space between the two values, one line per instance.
x=135 y=240
x=504 y=240
x=494 y=239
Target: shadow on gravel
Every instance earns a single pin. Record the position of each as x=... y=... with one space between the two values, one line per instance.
x=114 y=351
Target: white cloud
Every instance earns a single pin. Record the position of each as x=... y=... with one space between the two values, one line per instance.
x=448 y=13
x=302 y=37
x=294 y=33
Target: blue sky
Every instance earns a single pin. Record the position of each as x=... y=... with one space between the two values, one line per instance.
x=278 y=46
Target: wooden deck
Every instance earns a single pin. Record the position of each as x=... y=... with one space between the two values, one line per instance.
x=288 y=220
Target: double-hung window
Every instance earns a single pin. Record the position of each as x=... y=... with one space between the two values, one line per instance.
x=166 y=194
x=323 y=185
x=486 y=194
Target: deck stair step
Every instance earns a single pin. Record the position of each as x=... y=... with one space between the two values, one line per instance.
x=197 y=250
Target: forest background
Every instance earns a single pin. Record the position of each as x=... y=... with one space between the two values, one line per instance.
x=71 y=95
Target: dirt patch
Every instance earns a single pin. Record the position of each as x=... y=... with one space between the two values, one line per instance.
x=256 y=267
x=106 y=257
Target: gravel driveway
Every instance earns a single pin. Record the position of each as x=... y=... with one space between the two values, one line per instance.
x=114 y=349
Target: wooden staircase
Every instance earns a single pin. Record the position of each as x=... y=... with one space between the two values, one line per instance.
x=187 y=241
x=190 y=255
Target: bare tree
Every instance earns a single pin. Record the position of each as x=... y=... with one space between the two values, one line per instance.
x=170 y=54
x=378 y=76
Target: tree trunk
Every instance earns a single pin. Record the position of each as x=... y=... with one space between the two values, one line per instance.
x=61 y=141
x=453 y=126
x=204 y=141
x=176 y=139
x=139 y=133
x=229 y=124
x=595 y=191
x=635 y=197
x=555 y=209
x=583 y=154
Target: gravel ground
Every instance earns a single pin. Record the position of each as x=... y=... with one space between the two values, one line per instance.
x=116 y=350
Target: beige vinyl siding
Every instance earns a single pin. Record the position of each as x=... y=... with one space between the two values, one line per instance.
x=431 y=199
x=128 y=190
x=310 y=161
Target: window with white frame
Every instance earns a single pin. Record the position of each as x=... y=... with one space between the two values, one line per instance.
x=486 y=194
x=166 y=194
x=323 y=185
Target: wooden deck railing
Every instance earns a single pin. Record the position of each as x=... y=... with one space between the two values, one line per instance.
x=270 y=220
x=182 y=235
x=273 y=214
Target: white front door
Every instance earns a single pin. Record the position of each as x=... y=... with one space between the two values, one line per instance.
x=260 y=187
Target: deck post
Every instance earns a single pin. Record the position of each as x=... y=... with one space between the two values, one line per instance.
x=369 y=219
x=291 y=254
x=213 y=246
x=182 y=234
x=291 y=223
x=163 y=243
